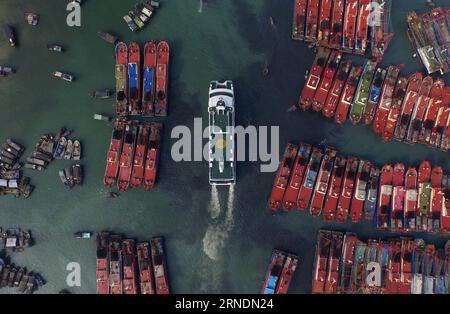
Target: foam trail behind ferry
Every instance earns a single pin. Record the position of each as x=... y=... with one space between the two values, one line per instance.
x=214 y=206
x=200 y=7
x=216 y=235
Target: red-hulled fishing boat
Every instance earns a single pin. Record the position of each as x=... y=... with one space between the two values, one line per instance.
x=147 y=283
x=305 y=192
x=394 y=113
x=406 y=266
x=148 y=81
x=126 y=158
x=323 y=179
x=359 y=194
x=313 y=79
x=134 y=78
x=424 y=196
x=334 y=191
x=350 y=15
x=418 y=115
x=443 y=141
x=298 y=25
x=409 y=101
x=334 y=263
x=140 y=154
x=321 y=261
x=115 y=264
x=323 y=35
x=113 y=155
x=326 y=81
x=362 y=26
x=433 y=108
x=387 y=93
x=393 y=279
x=337 y=16
x=289 y=267
x=336 y=90
x=410 y=199
x=282 y=178
x=348 y=258
x=384 y=200
x=162 y=78
x=312 y=18
x=298 y=172
x=129 y=267
x=347 y=95
x=437 y=200
x=159 y=263
x=152 y=159
x=442 y=121
x=121 y=75
x=347 y=190
x=398 y=198
x=102 y=263
x=445 y=216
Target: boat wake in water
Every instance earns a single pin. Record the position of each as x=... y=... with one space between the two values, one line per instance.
x=200 y=7
x=218 y=232
x=214 y=206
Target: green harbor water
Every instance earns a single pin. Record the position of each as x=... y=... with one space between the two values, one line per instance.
x=217 y=242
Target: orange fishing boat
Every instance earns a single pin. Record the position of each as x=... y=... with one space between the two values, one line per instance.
x=146 y=281
x=129 y=267
x=350 y=15
x=152 y=160
x=334 y=191
x=313 y=79
x=334 y=263
x=362 y=27
x=326 y=81
x=312 y=17
x=398 y=198
x=126 y=158
x=102 y=263
x=121 y=75
x=408 y=104
x=289 y=267
x=432 y=111
x=305 y=192
x=336 y=90
x=347 y=190
x=162 y=78
x=337 y=16
x=148 y=83
x=299 y=169
x=323 y=34
x=323 y=179
x=384 y=200
x=282 y=178
x=348 y=94
x=298 y=25
x=137 y=175
x=359 y=194
x=113 y=155
x=321 y=261
x=410 y=199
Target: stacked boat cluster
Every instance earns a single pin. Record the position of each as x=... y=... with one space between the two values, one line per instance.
x=430 y=36
x=141 y=85
x=51 y=147
x=137 y=18
x=15 y=240
x=345 y=264
x=124 y=267
x=412 y=110
x=133 y=155
x=279 y=273
x=336 y=187
x=352 y=25
x=12 y=182
x=18 y=277
x=71 y=176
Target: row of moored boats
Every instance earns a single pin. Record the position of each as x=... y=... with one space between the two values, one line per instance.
x=142 y=84
x=345 y=264
x=336 y=187
x=345 y=25
x=126 y=267
x=412 y=109
x=279 y=273
x=18 y=277
x=133 y=155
